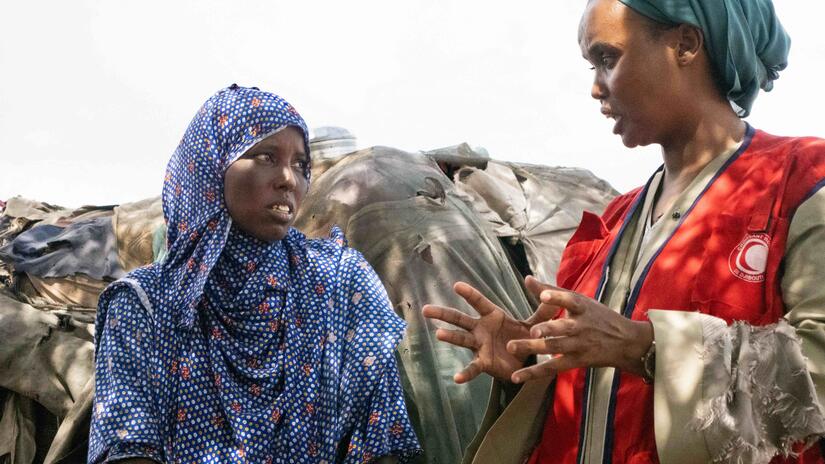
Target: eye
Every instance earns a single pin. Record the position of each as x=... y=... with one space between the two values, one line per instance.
x=263 y=158
x=607 y=61
x=301 y=164
x=603 y=61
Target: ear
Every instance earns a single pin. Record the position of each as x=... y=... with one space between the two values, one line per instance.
x=690 y=44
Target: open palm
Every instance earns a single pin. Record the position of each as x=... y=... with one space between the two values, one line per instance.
x=487 y=336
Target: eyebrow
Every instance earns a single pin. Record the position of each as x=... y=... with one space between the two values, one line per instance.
x=599 y=48
x=272 y=147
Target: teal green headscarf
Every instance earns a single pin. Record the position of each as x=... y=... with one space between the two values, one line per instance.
x=744 y=39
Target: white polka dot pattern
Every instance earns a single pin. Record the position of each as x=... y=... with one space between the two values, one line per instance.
x=249 y=352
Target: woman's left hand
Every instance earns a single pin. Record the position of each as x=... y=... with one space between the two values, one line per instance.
x=589 y=334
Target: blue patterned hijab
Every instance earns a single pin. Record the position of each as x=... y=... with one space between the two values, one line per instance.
x=227 y=125
x=278 y=352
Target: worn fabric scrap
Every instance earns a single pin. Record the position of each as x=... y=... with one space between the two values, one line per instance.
x=86 y=247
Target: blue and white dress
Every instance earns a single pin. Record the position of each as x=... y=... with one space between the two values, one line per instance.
x=237 y=350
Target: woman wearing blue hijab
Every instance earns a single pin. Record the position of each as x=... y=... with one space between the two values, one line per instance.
x=687 y=323
x=248 y=343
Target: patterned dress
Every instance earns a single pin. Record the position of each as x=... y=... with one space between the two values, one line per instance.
x=237 y=350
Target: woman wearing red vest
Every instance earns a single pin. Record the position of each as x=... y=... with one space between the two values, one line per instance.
x=688 y=321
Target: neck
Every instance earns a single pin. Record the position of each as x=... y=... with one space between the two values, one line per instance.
x=713 y=132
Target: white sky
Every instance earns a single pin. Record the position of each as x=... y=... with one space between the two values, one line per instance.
x=94 y=95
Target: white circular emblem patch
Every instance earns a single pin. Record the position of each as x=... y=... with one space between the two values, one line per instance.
x=749 y=259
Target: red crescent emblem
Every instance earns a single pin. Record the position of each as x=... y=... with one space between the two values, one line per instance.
x=749 y=259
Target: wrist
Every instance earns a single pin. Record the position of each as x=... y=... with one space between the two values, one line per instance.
x=638 y=347
x=649 y=364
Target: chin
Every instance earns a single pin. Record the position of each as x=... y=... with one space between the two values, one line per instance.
x=632 y=142
x=271 y=235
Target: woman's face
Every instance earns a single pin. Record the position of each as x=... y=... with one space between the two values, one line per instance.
x=635 y=79
x=264 y=187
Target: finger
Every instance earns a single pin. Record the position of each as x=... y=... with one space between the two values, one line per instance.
x=535 y=286
x=555 y=328
x=468 y=373
x=457 y=337
x=543 y=313
x=571 y=301
x=544 y=369
x=472 y=296
x=552 y=345
x=450 y=316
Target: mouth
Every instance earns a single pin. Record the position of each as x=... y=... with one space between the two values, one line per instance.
x=617 y=127
x=282 y=211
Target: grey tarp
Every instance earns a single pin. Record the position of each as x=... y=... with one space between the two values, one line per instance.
x=45 y=356
x=536 y=206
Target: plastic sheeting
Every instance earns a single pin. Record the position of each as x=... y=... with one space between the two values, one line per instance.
x=537 y=207
x=46 y=356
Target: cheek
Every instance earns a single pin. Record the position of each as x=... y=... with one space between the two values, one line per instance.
x=638 y=98
x=242 y=190
x=301 y=190
x=625 y=86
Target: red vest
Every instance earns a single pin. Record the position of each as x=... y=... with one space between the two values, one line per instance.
x=724 y=259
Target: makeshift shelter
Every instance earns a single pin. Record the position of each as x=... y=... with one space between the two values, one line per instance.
x=423 y=221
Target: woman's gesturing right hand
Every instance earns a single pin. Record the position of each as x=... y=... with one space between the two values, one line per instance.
x=487 y=336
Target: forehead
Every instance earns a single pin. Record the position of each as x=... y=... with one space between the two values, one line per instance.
x=607 y=21
x=289 y=138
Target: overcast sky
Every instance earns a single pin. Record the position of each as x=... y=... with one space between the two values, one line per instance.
x=94 y=95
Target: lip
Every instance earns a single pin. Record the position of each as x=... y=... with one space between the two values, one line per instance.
x=284 y=216
x=617 y=126
x=609 y=114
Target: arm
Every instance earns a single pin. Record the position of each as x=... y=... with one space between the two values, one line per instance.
x=794 y=350
x=802 y=285
x=124 y=420
x=378 y=427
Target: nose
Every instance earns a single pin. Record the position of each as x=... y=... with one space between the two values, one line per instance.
x=599 y=90
x=284 y=178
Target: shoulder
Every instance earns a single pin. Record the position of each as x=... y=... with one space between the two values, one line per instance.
x=129 y=296
x=140 y=282
x=797 y=162
x=809 y=149
x=123 y=306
